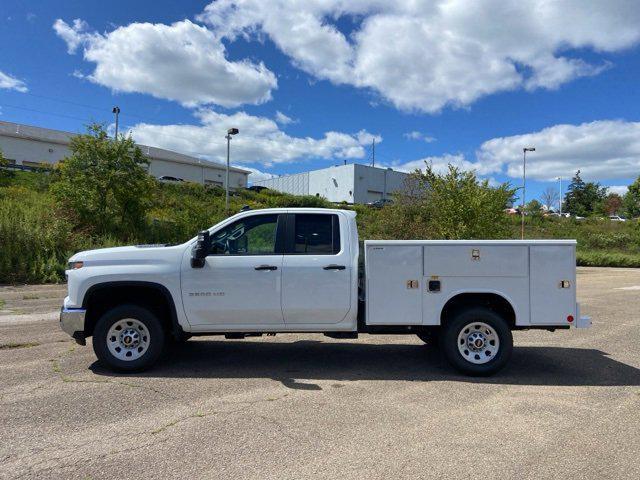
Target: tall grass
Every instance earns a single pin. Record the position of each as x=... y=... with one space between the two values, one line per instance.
x=34 y=241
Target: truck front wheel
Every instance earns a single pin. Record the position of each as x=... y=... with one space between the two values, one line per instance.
x=477 y=341
x=128 y=338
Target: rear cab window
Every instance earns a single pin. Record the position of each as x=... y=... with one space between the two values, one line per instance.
x=316 y=234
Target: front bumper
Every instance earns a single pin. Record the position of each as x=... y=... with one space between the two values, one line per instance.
x=72 y=322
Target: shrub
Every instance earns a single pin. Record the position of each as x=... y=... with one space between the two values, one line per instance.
x=452 y=205
x=103 y=186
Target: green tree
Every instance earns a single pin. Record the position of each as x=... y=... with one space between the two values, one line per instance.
x=104 y=183
x=534 y=207
x=450 y=205
x=583 y=198
x=631 y=200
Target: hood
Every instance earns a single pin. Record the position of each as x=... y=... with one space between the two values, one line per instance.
x=138 y=254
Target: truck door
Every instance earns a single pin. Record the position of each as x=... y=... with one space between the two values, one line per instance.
x=316 y=272
x=241 y=280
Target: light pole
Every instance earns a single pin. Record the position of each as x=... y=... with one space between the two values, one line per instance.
x=560 y=201
x=116 y=112
x=230 y=132
x=524 y=185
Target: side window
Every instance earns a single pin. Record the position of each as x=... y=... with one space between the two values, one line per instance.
x=317 y=234
x=254 y=235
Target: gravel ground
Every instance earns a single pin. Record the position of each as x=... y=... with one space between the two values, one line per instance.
x=302 y=406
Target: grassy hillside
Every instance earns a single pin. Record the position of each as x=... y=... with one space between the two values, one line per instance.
x=37 y=237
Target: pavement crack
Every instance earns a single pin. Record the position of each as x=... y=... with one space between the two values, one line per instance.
x=198 y=414
x=57 y=369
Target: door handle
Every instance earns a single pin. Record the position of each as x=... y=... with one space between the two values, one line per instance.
x=334 y=267
x=266 y=267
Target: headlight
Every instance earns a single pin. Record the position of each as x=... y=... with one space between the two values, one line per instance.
x=75 y=265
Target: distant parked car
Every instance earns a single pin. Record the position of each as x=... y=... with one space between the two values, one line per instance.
x=257 y=188
x=617 y=218
x=383 y=202
x=170 y=179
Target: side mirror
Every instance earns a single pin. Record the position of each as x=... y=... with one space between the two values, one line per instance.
x=201 y=249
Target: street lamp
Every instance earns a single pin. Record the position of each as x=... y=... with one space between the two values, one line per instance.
x=560 y=201
x=524 y=185
x=230 y=132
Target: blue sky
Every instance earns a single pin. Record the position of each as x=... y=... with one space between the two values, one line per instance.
x=310 y=85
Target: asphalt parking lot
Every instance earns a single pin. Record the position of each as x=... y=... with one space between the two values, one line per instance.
x=305 y=406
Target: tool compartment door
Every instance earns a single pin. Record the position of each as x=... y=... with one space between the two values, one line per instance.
x=394 y=284
x=551 y=300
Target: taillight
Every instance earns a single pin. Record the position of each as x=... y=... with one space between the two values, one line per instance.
x=569 y=318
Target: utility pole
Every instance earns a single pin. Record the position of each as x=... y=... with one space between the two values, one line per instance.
x=524 y=185
x=116 y=112
x=230 y=132
x=373 y=152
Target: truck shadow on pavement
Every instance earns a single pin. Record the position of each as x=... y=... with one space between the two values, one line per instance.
x=315 y=360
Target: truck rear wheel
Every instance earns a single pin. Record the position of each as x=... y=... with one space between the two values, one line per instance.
x=477 y=341
x=128 y=338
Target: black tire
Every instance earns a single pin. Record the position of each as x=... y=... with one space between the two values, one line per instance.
x=470 y=319
x=155 y=345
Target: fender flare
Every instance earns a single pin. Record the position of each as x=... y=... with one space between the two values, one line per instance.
x=481 y=291
x=173 y=315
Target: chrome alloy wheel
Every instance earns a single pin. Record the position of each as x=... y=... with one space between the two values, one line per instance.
x=128 y=339
x=478 y=342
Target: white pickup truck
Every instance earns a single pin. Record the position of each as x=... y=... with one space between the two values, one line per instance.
x=300 y=270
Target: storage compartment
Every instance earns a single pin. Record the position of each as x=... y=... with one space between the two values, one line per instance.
x=394 y=284
x=553 y=284
x=476 y=260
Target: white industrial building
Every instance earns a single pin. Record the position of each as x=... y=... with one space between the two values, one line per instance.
x=352 y=183
x=36 y=147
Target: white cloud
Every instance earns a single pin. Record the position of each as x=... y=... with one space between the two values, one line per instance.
x=283 y=119
x=415 y=135
x=606 y=149
x=601 y=150
x=74 y=35
x=619 y=189
x=428 y=55
x=11 y=83
x=183 y=62
x=366 y=138
x=440 y=163
x=260 y=140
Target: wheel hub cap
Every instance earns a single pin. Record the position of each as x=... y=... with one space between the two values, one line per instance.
x=478 y=342
x=128 y=339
